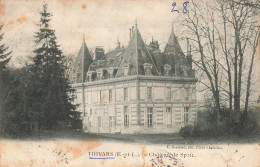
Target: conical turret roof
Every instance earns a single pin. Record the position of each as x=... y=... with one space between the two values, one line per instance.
x=82 y=63
x=135 y=56
x=174 y=54
x=173 y=45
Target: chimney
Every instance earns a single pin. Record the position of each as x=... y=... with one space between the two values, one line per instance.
x=130 y=33
x=99 y=52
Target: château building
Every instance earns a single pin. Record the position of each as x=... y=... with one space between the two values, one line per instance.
x=135 y=89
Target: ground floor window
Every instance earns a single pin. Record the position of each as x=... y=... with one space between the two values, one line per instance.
x=111 y=121
x=126 y=117
x=100 y=123
x=186 y=115
x=169 y=117
x=150 y=117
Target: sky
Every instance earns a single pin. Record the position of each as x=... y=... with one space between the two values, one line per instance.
x=101 y=22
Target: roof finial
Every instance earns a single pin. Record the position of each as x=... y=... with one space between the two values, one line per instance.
x=83 y=37
x=172 y=26
x=136 y=22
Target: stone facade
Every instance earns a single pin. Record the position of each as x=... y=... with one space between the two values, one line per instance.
x=136 y=89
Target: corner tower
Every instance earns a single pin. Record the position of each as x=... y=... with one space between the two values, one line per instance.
x=81 y=64
x=175 y=57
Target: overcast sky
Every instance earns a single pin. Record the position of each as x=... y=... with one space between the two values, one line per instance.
x=101 y=21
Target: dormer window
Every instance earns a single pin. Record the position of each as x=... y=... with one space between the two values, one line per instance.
x=90 y=76
x=143 y=54
x=111 y=72
x=100 y=74
x=78 y=76
x=148 y=69
x=185 y=72
x=167 y=69
x=74 y=79
x=126 y=69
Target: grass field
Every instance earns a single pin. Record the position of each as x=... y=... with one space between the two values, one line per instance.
x=140 y=138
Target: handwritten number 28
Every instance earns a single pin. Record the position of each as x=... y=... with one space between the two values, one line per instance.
x=185 y=10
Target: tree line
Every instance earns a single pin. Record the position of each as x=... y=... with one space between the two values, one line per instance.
x=37 y=96
x=224 y=35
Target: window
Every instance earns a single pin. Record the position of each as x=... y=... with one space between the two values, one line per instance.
x=150 y=117
x=111 y=121
x=149 y=93
x=98 y=75
x=167 y=69
x=125 y=70
x=74 y=79
x=100 y=96
x=90 y=112
x=147 y=71
x=168 y=93
x=168 y=117
x=100 y=122
x=126 y=117
x=186 y=115
x=147 y=68
x=125 y=94
x=110 y=95
x=111 y=72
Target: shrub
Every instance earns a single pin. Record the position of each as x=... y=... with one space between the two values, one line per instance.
x=248 y=126
x=186 y=131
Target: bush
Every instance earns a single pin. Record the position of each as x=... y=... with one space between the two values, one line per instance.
x=248 y=125
x=227 y=124
x=186 y=131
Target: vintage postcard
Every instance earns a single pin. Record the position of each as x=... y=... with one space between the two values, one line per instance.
x=122 y=83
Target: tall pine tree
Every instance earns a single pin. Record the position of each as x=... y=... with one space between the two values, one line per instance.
x=50 y=86
x=4 y=54
x=4 y=79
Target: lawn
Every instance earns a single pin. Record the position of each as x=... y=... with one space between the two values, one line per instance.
x=140 y=138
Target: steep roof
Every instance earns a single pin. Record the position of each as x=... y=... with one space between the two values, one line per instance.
x=111 y=59
x=173 y=53
x=82 y=63
x=173 y=45
x=136 y=55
